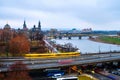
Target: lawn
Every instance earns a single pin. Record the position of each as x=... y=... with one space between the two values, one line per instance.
x=109 y=39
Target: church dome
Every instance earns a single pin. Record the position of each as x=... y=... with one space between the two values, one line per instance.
x=7 y=26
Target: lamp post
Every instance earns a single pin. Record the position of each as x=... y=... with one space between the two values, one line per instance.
x=99 y=49
x=110 y=48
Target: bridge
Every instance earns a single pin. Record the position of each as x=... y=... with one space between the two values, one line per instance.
x=61 y=62
x=70 y=35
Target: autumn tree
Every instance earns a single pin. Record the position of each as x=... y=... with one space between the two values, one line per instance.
x=1 y=76
x=18 y=71
x=19 y=45
x=5 y=36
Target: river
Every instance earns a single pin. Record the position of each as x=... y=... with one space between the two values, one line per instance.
x=87 y=46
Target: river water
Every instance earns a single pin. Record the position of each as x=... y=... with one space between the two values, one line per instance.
x=87 y=46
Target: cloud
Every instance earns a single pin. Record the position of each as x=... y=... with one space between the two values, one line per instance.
x=97 y=14
x=115 y=25
x=48 y=19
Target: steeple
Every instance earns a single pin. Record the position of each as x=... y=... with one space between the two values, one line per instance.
x=39 y=26
x=24 y=25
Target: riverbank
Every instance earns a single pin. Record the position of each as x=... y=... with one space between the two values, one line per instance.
x=88 y=46
x=107 y=39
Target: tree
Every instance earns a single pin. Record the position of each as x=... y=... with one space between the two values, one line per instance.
x=1 y=76
x=18 y=71
x=6 y=35
x=19 y=45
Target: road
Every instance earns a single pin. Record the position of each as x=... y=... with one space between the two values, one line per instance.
x=49 y=63
x=100 y=77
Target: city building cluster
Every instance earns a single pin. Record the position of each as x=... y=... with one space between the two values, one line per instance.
x=8 y=33
x=18 y=40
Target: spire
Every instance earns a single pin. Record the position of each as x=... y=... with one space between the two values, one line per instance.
x=39 y=26
x=24 y=25
x=7 y=22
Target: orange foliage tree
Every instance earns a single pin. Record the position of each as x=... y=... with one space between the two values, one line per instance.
x=18 y=71
x=1 y=76
x=19 y=45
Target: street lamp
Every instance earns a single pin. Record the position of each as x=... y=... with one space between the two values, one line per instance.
x=99 y=48
x=110 y=48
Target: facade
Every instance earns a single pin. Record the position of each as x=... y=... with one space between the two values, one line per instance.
x=37 y=29
x=36 y=32
x=25 y=30
x=6 y=33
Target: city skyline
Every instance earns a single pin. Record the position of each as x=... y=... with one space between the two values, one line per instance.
x=68 y=14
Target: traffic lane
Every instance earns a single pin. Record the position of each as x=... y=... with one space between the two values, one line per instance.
x=100 y=77
x=80 y=62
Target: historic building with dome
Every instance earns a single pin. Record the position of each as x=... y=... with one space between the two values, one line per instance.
x=7 y=27
x=6 y=33
x=34 y=33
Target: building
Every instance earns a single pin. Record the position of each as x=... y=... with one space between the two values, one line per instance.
x=6 y=33
x=36 y=32
x=25 y=26
x=24 y=31
x=37 y=29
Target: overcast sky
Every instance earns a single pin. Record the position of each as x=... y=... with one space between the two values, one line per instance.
x=68 y=14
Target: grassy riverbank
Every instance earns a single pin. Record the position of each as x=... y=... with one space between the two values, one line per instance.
x=108 y=39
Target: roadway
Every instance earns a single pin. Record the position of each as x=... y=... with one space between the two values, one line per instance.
x=51 y=63
x=100 y=77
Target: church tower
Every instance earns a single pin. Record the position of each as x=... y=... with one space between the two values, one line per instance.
x=39 y=26
x=24 y=26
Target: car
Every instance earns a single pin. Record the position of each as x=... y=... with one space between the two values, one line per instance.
x=118 y=69
x=54 y=73
x=56 y=76
x=65 y=61
x=118 y=73
x=114 y=72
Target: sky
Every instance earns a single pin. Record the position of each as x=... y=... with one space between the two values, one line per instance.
x=61 y=14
